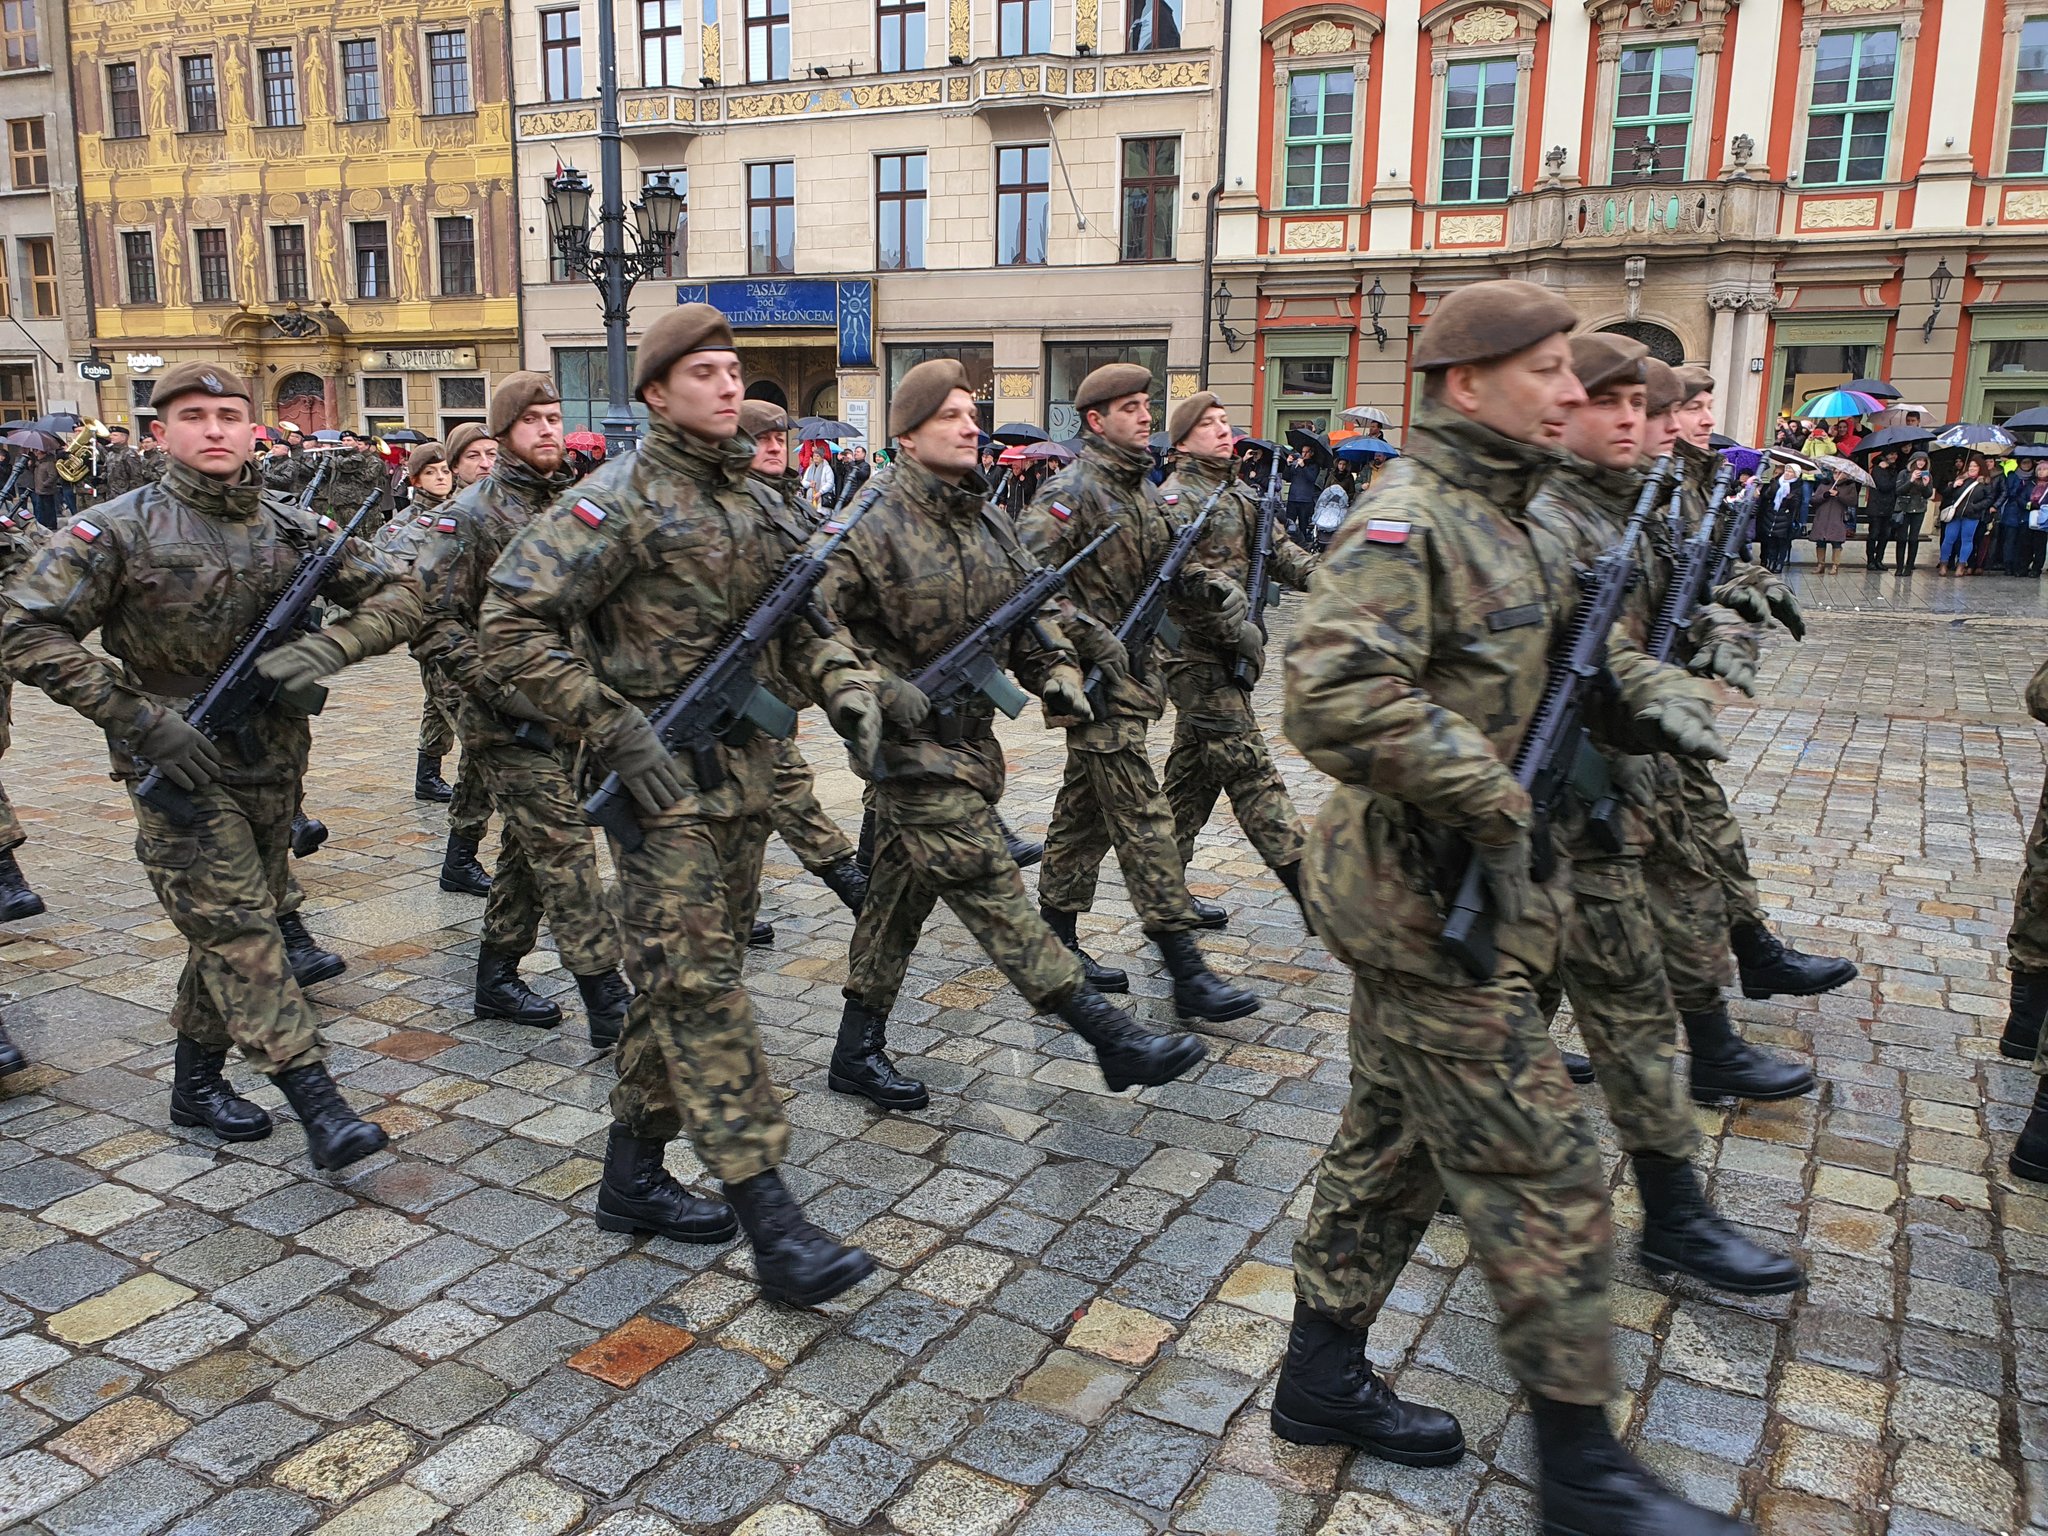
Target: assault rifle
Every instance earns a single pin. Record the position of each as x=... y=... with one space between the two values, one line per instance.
x=721 y=701
x=1258 y=584
x=1147 y=616
x=1690 y=583
x=1543 y=762
x=1733 y=545
x=225 y=710
x=969 y=664
x=321 y=470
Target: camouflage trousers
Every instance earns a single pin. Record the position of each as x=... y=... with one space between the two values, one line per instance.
x=1459 y=1091
x=547 y=863
x=1219 y=749
x=1110 y=798
x=469 y=813
x=933 y=847
x=812 y=836
x=690 y=1056
x=1719 y=838
x=11 y=835
x=220 y=882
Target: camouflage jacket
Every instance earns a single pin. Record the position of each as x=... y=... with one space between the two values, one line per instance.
x=21 y=539
x=356 y=473
x=286 y=475
x=787 y=490
x=927 y=561
x=123 y=470
x=1222 y=562
x=1107 y=485
x=173 y=576
x=404 y=537
x=645 y=569
x=470 y=531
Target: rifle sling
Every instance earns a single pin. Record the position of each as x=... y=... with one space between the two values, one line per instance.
x=178 y=684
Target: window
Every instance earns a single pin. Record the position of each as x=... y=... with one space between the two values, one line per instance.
x=465 y=392
x=661 y=42
x=1306 y=396
x=1849 y=128
x=677 y=264
x=899 y=213
x=902 y=43
x=1022 y=183
x=20 y=48
x=767 y=40
x=977 y=358
x=456 y=238
x=1068 y=363
x=1153 y=24
x=280 y=88
x=373 y=259
x=288 y=260
x=1479 y=130
x=2027 y=155
x=18 y=392
x=202 y=101
x=26 y=154
x=383 y=403
x=447 y=73
x=579 y=377
x=1810 y=368
x=362 y=92
x=138 y=258
x=561 y=55
x=39 y=266
x=771 y=217
x=1151 y=198
x=1319 y=105
x=215 y=286
x=1653 y=112
x=1023 y=26
x=124 y=102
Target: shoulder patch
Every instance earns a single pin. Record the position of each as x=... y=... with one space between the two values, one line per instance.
x=445 y=524
x=1171 y=498
x=589 y=513
x=425 y=520
x=84 y=530
x=1386 y=530
x=1061 y=511
x=328 y=524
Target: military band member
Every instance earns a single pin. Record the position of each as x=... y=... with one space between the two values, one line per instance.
x=652 y=560
x=284 y=471
x=358 y=470
x=123 y=469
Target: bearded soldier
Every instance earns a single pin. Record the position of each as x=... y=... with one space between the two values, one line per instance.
x=649 y=564
x=173 y=576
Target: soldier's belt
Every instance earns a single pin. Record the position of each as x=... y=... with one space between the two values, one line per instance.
x=183 y=684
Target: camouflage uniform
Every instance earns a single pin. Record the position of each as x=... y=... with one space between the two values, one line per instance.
x=1217 y=744
x=21 y=539
x=927 y=561
x=546 y=859
x=1110 y=796
x=659 y=552
x=356 y=473
x=2028 y=940
x=124 y=470
x=173 y=576
x=288 y=474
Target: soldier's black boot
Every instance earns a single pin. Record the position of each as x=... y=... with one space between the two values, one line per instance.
x=308 y=833
x=427 y=783
x=1578 y=1068
x=335 y=1134
x=460 y=871
x=1102 y=978
x=859 y=1065
x=11 y=1059
x=1290 y=876
x=605 y=996
x=309 y=962
x=794 y=1262
x=1329 y=1394
x=201 y=1096
x=2029 y=1158
x=2023 y=1023
x=848 y=881
x=16 y=899
x=500 y=994
x=1770 y=966
x=1590 y=1486
x=639 y=1194
x=1683 y=1234
x=1725 y=1066
x=1198 y=991
x=1129 y=1054
x=1023 y=850
x=761 y=935
x=1209 y=915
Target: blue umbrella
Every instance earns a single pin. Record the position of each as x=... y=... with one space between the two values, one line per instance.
x=1367 y=448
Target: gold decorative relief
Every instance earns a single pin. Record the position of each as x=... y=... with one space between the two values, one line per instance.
x=1323 y=37
x=1487 y=24
x=286 y=205
x=1021 y=384
x=449 y=194
x=1156 y=77
x=207 y=209
x=711 y=54
x=1471 y=229
x=1182 y=383
x=365 y=200
x=1084 y=21
x=1056 y=81
x=957 y=88
x=2025 y=206
x=769 y=104
x=1008 y=82
x=1839 y=213
x=647 y=111
x=540 y=125
x=1084 y=79
x=858 y=386
x=958 y=32
x=682 y=109
x=1856 y=7
x=903 y=93
x=1313 y=235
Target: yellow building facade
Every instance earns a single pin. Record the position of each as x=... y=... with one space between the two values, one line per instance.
x=319 y=198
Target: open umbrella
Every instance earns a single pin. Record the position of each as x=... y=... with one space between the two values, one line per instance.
x=1976 y=436
x=1032 y=453
x=327 y=435
x=1894 y=437
x=409 y=437
x=1015 y=432
x=1311 y=443
x=822 y=429
x=2028 y=421
x=2031 y=451
x=1837 y=404
x=1876 y=387
x=1746 y=460
x=1848 y=469
x=58 y=422
x=1359 y=415
x=1359 y=448
x=32 y=437
x=1717 y=441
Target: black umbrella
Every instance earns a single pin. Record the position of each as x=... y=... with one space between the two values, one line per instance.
x=2029 y=421
x=1015 y=432
x=2031 y=451
x=1894 y=437
x=1876 y=387
x=407 y=436
x=1248 y=444
x=1716 y=440
x=58 y=422
x=1312 y=443
x=820 y=429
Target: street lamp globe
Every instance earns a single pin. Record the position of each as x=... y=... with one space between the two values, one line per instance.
x=568 y=204
x=660 y=214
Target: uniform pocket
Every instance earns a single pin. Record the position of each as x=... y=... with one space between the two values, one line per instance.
x=167 y=852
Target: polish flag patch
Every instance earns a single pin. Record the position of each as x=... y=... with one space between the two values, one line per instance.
x=328 y=523
x=589 y=513
x=1386 y=531
x=1064 y=513
x=425 y=519
x=84 y=530
x=446 y=524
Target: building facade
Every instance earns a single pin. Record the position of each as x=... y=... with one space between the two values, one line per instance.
x=1019 y=184
x=321 y=201
x=44 y=314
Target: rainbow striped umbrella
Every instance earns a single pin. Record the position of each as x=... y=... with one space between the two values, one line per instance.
x=1839 y=403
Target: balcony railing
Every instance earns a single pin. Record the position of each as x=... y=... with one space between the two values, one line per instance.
x=1645 y=213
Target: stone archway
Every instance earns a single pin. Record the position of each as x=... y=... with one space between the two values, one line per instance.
x=769 y=390
x=1663 y=342
x=302 y=401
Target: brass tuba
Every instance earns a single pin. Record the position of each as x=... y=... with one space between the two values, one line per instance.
x=75 y=462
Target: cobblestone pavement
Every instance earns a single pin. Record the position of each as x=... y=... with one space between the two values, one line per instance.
x=1082 y=1298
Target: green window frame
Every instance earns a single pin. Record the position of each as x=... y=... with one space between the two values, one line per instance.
x=1855 y=85
x=2026 y=150
x=1479 y=131
x=1321 y=108
x=1653 y=104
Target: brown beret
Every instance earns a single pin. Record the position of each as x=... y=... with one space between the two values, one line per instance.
x=1603 y=358
x=1112 y=381
x=762 y=416
x=197 y=379
x=424 y=458
x=685 y=329
x=1191 y=410
x=923 y=390
x=1664 y=391
x=517 y=394
x=1694 y=380
x=1487 y=320
x=460 y=439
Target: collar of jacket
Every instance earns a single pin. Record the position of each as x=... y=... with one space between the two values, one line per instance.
x=1700 y=465
x=1612 y=490
x=1201 y=475
x=713 y=464
x=524 y=483
x=1476 y=458
x=920 y=488
x=424 y=500
x=1125 y=467
x=240 y=498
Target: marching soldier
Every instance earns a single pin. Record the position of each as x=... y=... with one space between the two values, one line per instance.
x=648 y=565
x=122 y=469
x=172 y=577
x=1419 y=660
x=2027 y=958
x=546 y=859
x=929 y=559
x=21 y=539
x=1218 y=747
x=1110 y=796
x=471 y=453
x=357 y=472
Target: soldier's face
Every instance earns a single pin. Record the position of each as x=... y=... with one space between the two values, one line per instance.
x=476 y=460
x=435 y=480
x=214 y=434
x=771 y=452
x=948 y=442
x=700 y=395
x=1608 y=429
x=1209 y=438
x=536 y=437
x=1696 y=419
x=1659 y=434
x=1528 y=395
x=1125 y=422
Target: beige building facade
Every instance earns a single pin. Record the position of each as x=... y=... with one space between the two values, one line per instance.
x=44 y=314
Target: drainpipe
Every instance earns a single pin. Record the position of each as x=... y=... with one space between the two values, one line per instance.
x=1209 y=234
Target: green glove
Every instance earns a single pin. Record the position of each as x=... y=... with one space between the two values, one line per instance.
x=1744 y=600
x=517 y=706
x=164 y=737
x=1728 y=661
x=1251 y=645
x=903 y=703
x=1685 y=725
x=856 y=714
x=1063 y=696
x=1233 y=605
x=1634 y=780
x=643 y=765
x=298 y=664
x=1095 y=645
x=1785 y=609
x=1505 y=869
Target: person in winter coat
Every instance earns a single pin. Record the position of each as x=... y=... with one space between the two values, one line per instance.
x=1958 y=517
x=2035 y=535
x=1780 y=514
x=2010 y=552
x=1909 y=518
x=1833 y=510
x=1882 y=508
